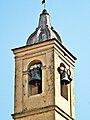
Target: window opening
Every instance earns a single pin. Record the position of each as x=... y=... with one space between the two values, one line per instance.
x=64 y=80
x=35 y=79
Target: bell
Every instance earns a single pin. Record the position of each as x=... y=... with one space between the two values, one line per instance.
x=64 y=78
x=35 y=77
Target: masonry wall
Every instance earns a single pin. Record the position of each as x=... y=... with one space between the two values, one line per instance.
x=67 y=105
x=23 y=101
x=38 y=116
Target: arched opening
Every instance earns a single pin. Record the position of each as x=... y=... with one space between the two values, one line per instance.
x=64 y=87
x=35 y=77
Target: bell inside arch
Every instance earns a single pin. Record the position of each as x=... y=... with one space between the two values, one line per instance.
x=64 y=78
x=35 y=75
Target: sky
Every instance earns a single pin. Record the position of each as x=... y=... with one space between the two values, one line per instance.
x=71 y=19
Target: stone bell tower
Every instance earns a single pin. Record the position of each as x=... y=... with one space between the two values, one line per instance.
x=44 y=76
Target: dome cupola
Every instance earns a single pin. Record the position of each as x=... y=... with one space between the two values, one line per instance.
x=44 y=31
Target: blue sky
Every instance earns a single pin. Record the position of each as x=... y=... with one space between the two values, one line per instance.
x=71 y=19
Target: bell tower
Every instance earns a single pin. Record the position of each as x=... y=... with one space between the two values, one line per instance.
x=44 y=76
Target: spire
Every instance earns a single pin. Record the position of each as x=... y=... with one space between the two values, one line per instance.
x=44 y=31
x=44 y=20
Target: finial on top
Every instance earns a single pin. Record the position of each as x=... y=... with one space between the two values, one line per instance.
x=44 y=2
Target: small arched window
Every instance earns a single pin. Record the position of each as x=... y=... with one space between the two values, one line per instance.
x=35 y=78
